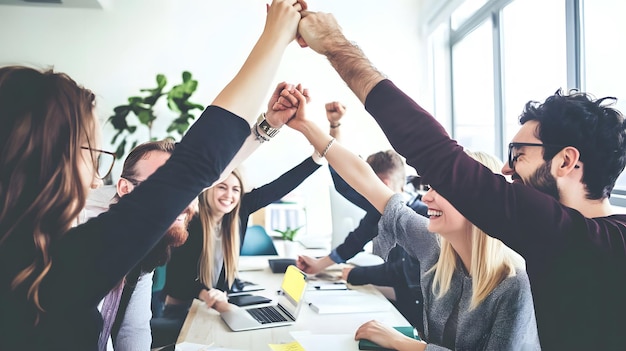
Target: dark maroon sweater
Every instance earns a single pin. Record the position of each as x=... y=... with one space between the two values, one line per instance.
x=576 y=265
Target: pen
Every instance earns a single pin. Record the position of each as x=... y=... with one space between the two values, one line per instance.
x=330 y=287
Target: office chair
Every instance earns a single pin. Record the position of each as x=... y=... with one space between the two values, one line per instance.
x=257 y=242
x=158 y=297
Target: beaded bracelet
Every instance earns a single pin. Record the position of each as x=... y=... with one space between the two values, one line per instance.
x=333 y=126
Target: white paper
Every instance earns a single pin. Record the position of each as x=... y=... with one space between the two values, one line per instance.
x=345 y=301
x=325 y=342
x=189 y=346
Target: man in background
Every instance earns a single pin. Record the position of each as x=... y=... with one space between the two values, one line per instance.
x=401 y=271
x=130 y=329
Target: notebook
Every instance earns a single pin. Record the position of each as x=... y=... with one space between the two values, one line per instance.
x=284 y=312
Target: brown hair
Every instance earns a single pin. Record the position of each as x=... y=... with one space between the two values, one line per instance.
x=388 y=165
x=230 y=237
x=139 y=152
x=46 y=118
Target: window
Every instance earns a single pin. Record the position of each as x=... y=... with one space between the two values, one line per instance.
x=472 y=87
x=504 y=53
x=533 y=65
x=604 y=69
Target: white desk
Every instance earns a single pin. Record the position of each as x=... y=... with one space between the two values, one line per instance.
x=204 y=325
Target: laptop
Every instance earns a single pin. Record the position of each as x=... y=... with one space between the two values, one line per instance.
x=284 y=312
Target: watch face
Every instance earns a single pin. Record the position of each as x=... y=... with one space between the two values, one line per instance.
x=271 y=132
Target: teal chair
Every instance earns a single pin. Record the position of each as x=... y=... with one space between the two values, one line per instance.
x=158 y=297
x=257 y=242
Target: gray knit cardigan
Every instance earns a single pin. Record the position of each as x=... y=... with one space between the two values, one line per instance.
x=505 y=320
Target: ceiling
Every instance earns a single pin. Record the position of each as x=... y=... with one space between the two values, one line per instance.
x=94 y=4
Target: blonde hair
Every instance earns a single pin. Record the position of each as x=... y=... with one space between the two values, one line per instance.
x=491 y=262
x=230 y=237
x=46 y=118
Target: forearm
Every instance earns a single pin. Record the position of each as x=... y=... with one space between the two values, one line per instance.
x=382 y=275
x=249 y=146
x=353 y=66
x=246 y=92
x=335 y=131
x=350 y=167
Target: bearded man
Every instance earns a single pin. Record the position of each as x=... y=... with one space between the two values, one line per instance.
x=127 y=317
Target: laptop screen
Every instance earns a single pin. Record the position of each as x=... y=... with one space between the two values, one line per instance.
x=294 y=283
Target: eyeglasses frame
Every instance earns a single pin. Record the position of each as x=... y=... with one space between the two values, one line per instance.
x=513 y=159
x=102 y=152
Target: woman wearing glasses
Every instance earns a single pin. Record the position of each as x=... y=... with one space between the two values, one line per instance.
x=52 y=276
x=476 y=293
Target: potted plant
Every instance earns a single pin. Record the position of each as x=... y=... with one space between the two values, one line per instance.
x=288 y=236
x=142 y=107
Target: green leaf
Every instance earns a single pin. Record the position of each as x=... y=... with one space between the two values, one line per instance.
x=134 y=100
x=121 y=149
x=152 y=99
x=161 y=80
x=186 y=76
x=289 y=233
x=144 y=117
x=121 y=110
x=114 y=139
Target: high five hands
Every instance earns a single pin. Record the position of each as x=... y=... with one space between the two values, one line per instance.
x=284 y=103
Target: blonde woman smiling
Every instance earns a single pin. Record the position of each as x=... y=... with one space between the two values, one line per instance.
x=476 y=292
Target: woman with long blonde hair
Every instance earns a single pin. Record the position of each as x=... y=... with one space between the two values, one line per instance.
x=53 y=275
x=476 y=292
x=205 y=267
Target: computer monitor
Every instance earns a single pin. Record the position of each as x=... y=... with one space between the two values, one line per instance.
x=345 y=216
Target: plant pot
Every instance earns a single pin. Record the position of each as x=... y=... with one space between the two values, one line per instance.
x=291 y=249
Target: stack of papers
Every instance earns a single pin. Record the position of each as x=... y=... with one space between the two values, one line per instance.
x=345 y=301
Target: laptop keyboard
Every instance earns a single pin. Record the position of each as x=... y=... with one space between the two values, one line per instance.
x=266 y=315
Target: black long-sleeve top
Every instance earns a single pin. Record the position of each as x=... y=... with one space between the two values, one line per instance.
x=576 y=265
x=182 y=270
x=90 y=259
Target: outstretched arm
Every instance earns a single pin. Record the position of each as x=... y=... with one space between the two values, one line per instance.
x=245 y=93
x=352 y=168
x=321 y=32
x=274 y=116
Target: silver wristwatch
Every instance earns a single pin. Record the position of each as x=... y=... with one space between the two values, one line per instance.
x=265 y=127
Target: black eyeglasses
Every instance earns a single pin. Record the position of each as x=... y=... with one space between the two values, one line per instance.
x=104 y=159
x=513 y=158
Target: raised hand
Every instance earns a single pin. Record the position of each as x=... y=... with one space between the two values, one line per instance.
x=282 y=20
x=318 y=29
x=334 y=112
x=283 y=104
x=300 y=118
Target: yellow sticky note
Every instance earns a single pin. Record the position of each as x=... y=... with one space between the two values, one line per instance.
x=292 y=346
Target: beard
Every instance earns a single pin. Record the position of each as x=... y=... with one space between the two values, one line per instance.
x=175 y=236
x=544 y=181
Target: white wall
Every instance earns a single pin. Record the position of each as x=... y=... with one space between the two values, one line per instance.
x=117 y=50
